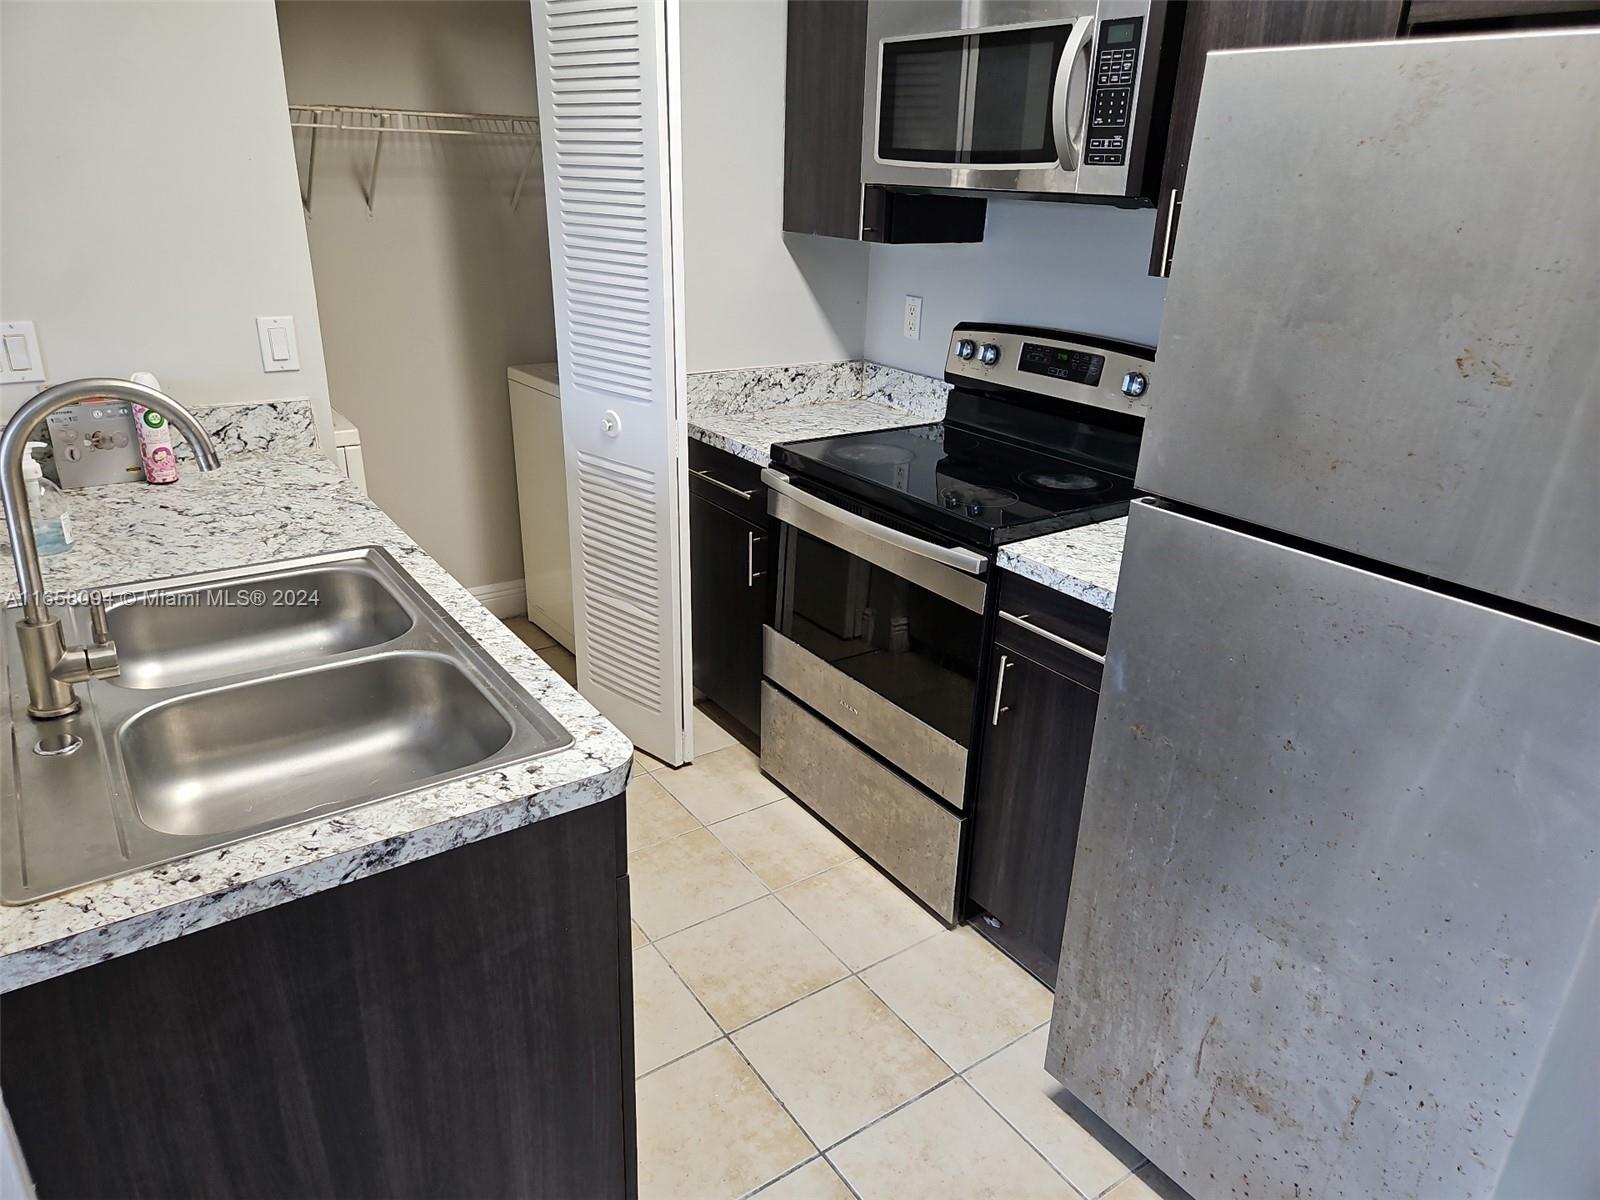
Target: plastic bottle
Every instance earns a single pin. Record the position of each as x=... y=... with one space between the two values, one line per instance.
x=155 y=438
x=52 y=523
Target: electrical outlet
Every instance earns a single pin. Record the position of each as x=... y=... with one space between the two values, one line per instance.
x=913 y=328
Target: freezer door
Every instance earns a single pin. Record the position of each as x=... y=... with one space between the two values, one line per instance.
x=1383 y=326
x=1339 y=857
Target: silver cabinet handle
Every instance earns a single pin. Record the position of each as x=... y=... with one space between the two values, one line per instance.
x=727 y=487
x=950 y=556
x=1068 y=147
x=751 y=574
x=1166 y=241
x=1024 y=623
x=1000 y=687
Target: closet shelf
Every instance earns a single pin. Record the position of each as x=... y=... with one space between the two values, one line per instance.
x=379 y=122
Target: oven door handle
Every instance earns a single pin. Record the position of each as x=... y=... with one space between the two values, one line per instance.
x=950 y=556
x=1069 y=148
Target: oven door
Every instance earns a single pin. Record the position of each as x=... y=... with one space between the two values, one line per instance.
x=879 y=633
x=999 y=96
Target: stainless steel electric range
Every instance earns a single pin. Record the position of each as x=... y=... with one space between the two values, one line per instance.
x=886 y=542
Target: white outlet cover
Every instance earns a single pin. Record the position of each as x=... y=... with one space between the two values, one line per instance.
x=913 y=324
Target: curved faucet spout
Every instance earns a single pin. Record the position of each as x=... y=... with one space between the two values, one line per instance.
x=51 y=695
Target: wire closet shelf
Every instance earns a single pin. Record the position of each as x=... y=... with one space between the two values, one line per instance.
x=380 y=122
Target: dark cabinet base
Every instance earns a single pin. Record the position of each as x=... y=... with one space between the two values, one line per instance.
x=459 y=1026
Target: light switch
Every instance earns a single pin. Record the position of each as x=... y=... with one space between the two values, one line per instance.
x=19 y=353
x=278 y=350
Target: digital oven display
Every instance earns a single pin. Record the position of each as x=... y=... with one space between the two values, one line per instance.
x=1075 y=366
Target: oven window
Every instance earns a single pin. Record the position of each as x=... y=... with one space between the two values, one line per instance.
x=1012 y=93
x=919 y=111
x=913 y=647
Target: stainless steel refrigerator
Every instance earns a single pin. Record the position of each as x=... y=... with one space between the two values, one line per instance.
x=1332 y=925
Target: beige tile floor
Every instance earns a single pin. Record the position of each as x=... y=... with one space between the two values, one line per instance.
x=804 y=1031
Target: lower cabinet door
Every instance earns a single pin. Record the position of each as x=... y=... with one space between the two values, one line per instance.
x=1030 y=796
x=728 y=585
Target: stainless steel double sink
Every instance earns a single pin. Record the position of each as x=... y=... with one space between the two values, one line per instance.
x=250 y=700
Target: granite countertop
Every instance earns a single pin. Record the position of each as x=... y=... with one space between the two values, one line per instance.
x=746 y=412
x=261 y=506
x=1081 y=562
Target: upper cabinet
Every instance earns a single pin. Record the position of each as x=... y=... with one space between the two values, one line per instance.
x=823 y=115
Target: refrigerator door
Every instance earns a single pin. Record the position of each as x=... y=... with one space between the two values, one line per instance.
x=1339 y=860
x=1383 y=326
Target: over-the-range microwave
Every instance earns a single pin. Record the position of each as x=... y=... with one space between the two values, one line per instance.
x=1058 y=98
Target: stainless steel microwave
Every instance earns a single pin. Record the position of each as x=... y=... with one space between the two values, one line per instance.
x=1047 y=97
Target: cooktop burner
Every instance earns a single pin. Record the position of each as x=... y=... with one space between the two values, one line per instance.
x=1071 y=481
x=979 y=489
x=873 y=454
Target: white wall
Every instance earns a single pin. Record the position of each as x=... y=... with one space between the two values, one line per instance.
x=755 y=296
x=426 y=301
x=148 y=209
x=1064 y=266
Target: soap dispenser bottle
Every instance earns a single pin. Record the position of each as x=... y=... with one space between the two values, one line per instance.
x=52 y=523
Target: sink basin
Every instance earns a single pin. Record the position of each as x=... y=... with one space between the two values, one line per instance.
x=208 y=631
x=250 y=700
x=232 y=758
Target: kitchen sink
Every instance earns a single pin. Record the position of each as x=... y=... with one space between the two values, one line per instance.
x=202 y=764
x=206 y=631
x=250 y=700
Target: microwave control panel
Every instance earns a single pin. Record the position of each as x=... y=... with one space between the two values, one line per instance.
x=1111 y=96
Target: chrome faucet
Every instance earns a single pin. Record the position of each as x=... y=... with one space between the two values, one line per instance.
x=52 y=667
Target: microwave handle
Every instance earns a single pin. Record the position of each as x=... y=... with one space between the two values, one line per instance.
x=1069 y=144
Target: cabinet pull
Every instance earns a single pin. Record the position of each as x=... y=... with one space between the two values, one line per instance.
x=1000 y=688
x=1166 y=241
x=1024 y=623
x=727 y=487
x=750 y=540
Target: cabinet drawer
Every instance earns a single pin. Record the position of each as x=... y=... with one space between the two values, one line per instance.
x=1052 y=624
x=728 y=481
x=902 y=830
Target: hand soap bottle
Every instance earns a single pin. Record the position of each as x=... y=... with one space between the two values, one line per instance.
x=52 y=523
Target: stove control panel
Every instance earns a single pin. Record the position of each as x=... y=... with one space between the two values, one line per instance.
x=1049 y=363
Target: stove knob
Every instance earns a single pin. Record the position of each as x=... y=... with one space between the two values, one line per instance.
x=988 y=354
x=951 y=499
x=966 y=348
x=1134 y=383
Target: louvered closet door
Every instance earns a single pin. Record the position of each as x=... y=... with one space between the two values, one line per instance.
x=604 y=115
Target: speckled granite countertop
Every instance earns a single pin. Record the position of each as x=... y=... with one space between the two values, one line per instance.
x=266 y=505
x=746 y=412
x=1080 y=562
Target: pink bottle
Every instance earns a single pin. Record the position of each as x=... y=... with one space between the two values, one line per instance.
x=155 y=438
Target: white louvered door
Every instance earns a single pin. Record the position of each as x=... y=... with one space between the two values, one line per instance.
x=607 y=111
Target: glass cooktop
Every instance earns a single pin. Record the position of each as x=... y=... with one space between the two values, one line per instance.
x=979 y=489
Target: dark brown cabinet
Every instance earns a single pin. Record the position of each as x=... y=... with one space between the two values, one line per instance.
x=730 y=581
x=1234 y=25
x=1043 y=690
x=456 y=1026
x=823 y=113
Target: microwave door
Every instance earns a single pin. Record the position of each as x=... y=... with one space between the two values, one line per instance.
x=1027 y=97
x=922 y=86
